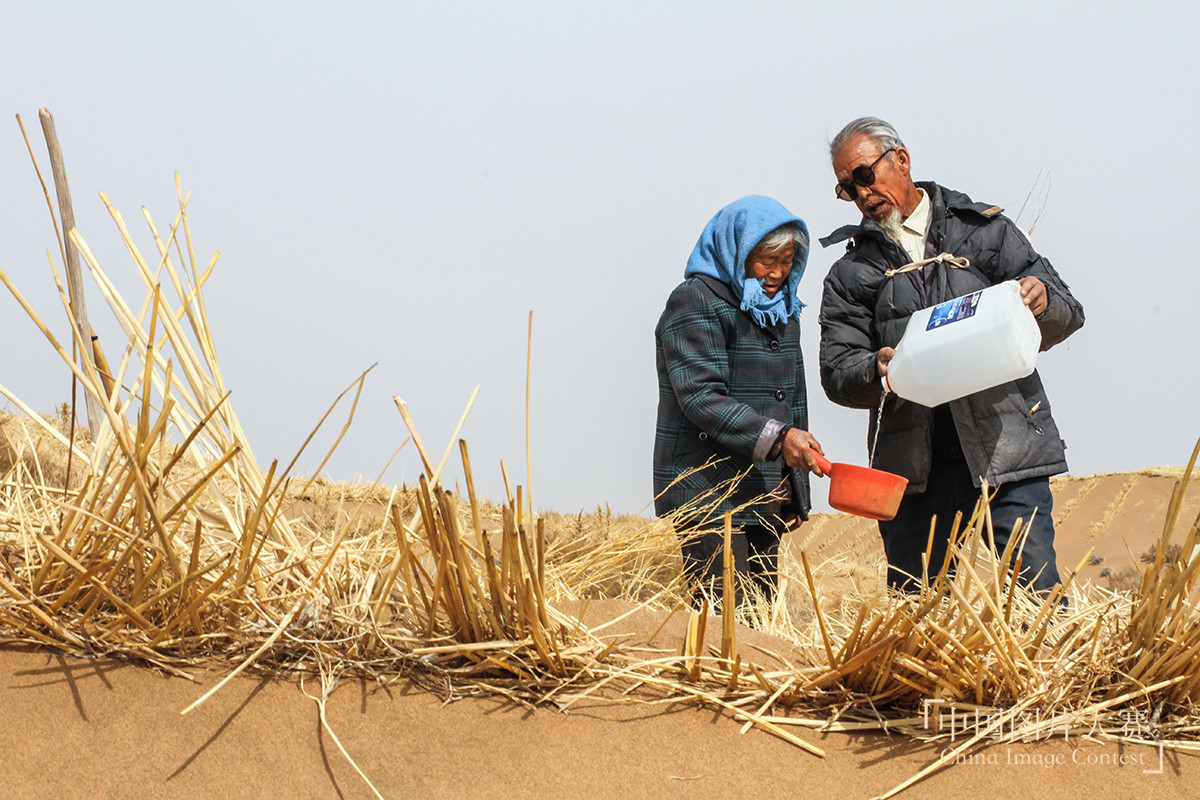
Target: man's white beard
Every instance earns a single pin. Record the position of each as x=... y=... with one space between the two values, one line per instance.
x=891 y=226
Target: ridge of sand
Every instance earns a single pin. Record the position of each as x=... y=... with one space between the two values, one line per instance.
x=88 y=728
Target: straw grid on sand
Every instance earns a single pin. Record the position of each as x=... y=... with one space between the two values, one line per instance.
x=165 y=541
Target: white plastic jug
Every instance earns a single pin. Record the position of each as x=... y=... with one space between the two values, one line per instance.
x=965 y=345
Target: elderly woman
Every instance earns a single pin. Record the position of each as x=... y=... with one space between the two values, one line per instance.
x=732 y=408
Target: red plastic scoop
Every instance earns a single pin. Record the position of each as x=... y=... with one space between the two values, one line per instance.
x=864 y=492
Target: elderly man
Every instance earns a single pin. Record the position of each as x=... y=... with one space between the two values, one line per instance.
x=1004 y=435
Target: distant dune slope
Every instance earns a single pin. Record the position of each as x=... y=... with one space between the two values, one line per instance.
x=1104 y=525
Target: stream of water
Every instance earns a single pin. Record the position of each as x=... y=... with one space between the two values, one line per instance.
x=878 y=425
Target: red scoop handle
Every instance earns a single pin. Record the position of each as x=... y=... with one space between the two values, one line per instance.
x=822 y=462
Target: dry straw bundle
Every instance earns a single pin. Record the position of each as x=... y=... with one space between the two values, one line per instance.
x=173 y=510
x=176 y=546
x=172 y=545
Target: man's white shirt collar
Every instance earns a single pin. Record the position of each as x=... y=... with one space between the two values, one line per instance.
x=915 y=228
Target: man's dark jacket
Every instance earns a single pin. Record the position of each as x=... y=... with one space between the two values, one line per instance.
x=1007 y=432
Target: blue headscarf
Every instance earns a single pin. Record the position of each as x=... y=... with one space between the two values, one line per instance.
x=726 y=242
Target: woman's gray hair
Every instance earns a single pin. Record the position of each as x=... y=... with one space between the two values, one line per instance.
x=787 y=233
x=880 y=132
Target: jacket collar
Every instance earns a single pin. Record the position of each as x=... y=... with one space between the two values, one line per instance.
x=944 y=200
x=719 y=288
x=722 y=291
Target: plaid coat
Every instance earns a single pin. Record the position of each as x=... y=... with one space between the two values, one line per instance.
x=726 y=387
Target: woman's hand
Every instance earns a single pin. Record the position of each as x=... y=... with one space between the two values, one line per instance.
x=798 y=451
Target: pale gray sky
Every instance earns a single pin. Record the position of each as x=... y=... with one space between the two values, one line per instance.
x=403 y=183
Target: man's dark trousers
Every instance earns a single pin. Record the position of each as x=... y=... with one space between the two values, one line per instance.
x=950 y=489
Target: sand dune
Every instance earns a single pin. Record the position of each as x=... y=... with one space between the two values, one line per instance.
x=80 y=728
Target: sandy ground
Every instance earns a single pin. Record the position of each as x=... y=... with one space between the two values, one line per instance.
x=102 y=729
x=79 y=728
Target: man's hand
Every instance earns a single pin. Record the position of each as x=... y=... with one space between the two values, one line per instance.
x=1033 y=294
x=881 y=361
x=798 y=449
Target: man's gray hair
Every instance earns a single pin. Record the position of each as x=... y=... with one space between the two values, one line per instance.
x=789 y=232
x=880 y=132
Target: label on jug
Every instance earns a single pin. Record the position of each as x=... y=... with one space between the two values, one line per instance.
x=954 y=310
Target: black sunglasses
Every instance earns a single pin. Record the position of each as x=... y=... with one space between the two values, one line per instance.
x=862 y=176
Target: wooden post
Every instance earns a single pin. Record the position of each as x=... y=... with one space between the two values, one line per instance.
x=74 y=278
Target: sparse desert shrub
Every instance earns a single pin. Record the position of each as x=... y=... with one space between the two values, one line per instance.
x=1171 y=554
x=1127 y=579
